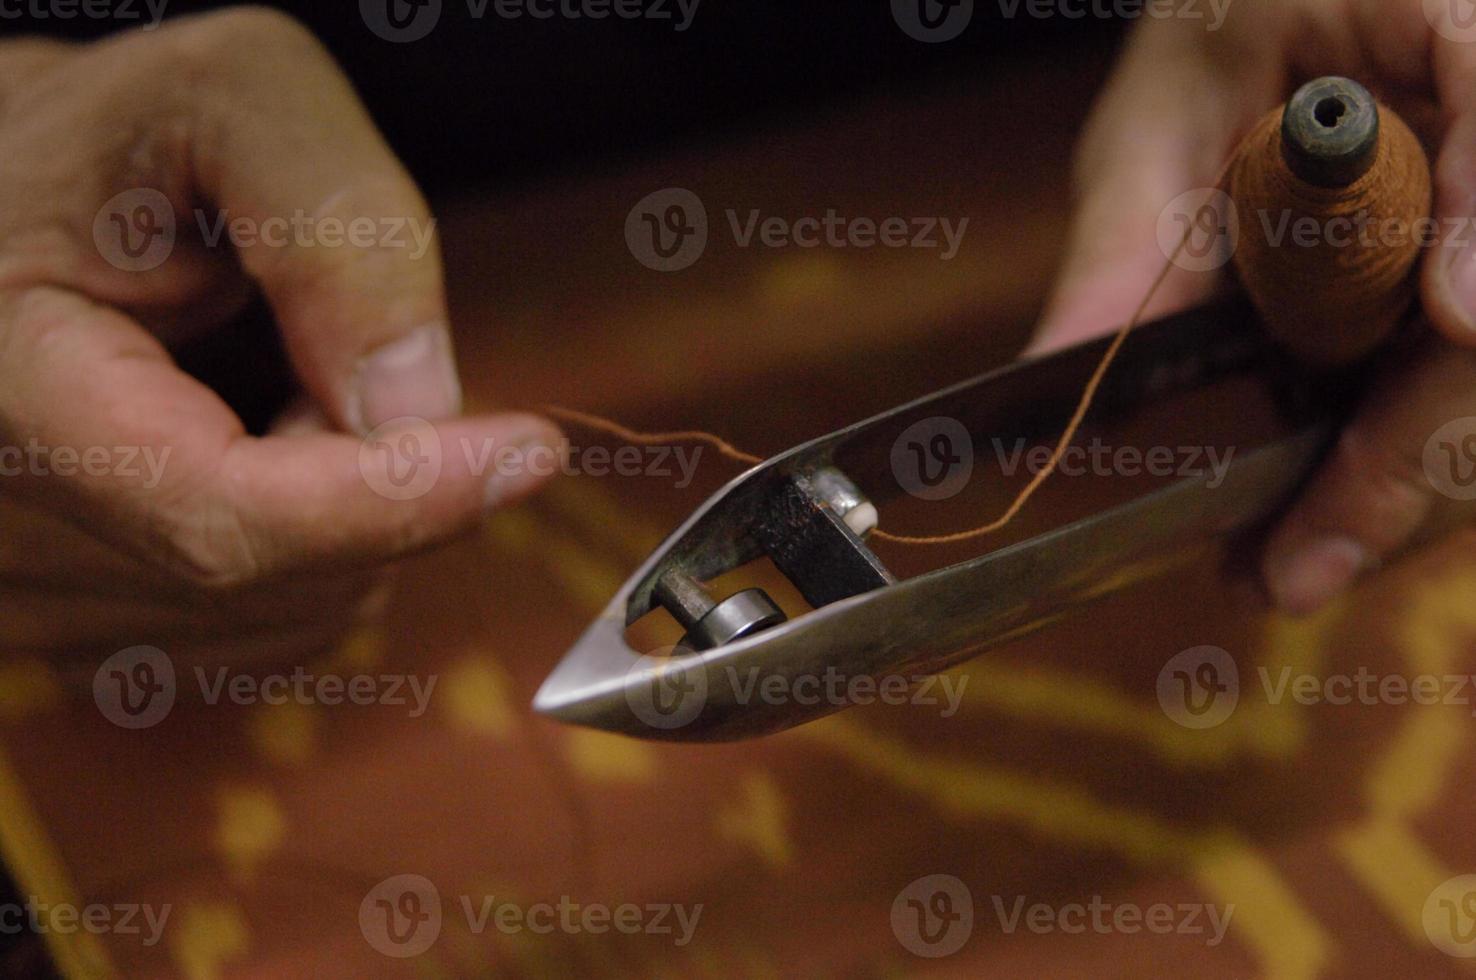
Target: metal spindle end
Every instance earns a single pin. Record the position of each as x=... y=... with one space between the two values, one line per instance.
x=1330 y=132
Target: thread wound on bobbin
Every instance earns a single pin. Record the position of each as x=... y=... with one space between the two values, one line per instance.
x=1330 y=132
x=1328 y=190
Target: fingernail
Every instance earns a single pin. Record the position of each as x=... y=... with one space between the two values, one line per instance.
x=413 y=376
x=537 y=456
x=1461 y=276
x=1308 y=579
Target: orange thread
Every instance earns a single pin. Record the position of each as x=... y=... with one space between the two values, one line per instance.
x=1257 y=143
x=619 y=431
x=1334 y=299
x=1084 y=405
x=1088 y=395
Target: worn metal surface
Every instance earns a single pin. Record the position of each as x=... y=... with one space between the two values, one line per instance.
x=1330 y=132
x=866 y=628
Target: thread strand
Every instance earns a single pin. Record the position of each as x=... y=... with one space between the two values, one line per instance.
x=613 y=428
x=1073 y=426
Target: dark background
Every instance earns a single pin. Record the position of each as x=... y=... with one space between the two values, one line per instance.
x=509 y=100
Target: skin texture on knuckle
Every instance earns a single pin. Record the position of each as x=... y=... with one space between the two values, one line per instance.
x=361 y=290
x=70 y=149
x=210 y=550
x=37 y=327
x=250 y=60
x=219 y=43
x=215 y=68
x=55 y=326
x=191 y=529
x=22 y=60
x=389 y=242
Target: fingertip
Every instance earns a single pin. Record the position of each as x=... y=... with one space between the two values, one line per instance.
x=1052 y=336
x=1450 y=294
x=1303 y=575
x=533 y=452
x=319 y=498
x=1448 y=284
x=412 y=376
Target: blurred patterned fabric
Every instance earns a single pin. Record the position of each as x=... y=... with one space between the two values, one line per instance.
x=1333 y=838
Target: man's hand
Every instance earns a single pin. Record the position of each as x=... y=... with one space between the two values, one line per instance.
x=1173 y=113
x=134 y=508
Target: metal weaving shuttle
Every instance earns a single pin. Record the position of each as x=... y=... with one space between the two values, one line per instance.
x=810 y=509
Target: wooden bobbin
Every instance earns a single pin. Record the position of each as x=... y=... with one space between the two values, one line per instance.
x=1331 y=193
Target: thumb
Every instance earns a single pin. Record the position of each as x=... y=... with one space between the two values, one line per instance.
x=314 y=499
x=1380 y=482
x=339 y=238
x=152 y=461
x=1448 y=285
x=1385 y=475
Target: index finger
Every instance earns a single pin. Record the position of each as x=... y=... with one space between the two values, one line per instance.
x=322 y=216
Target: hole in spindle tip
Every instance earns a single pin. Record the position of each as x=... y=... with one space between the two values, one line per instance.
x=1330 y=111
x=1330 y=132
